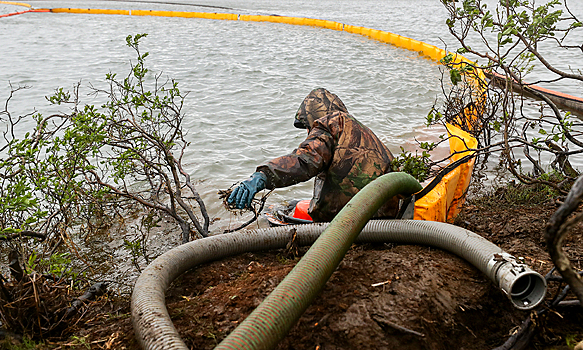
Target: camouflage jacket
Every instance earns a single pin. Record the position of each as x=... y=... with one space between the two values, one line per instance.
x=343 y=155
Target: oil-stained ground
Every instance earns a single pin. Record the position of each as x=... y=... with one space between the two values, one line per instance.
x=383 y=296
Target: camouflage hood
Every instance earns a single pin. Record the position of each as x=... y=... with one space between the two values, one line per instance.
x=340 y=152
x=316 y=105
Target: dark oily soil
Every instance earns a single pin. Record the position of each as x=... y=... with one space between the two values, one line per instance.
x=381 y=296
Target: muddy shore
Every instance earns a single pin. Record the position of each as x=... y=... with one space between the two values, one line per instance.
x=382 y=296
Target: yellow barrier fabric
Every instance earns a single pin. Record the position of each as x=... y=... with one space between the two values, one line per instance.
x=185 y=14
x=15 y=3
x=442 y=203
x=91 y=11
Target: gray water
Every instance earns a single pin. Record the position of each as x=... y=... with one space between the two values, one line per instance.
x=246 y=80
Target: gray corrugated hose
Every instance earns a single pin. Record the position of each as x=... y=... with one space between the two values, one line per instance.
x=154 y=329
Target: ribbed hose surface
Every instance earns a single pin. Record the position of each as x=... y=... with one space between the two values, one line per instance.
x=273 y=318
x=466 y=244
x=153 y=326
x=271 y=321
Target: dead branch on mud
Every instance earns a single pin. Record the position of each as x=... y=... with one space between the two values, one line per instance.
x=521 y=337
x=41 y=306
x=556 y=231
x=93 y=292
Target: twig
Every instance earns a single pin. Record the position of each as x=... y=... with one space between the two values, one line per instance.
x=381 y=283
x=24 y=233
x=94 y=291
x=556 y=231
x=5 y=291
x=385 y=321
x=205 y=228
x=521 y=337
x=568 y=303
x=255 y=212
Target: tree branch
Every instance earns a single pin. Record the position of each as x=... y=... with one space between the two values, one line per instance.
x=556 y=231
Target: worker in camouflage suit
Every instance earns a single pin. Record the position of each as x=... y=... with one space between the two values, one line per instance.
x=343 y=155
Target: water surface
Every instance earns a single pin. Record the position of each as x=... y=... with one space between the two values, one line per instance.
x=245 y=79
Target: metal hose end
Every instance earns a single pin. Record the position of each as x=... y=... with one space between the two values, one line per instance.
x=525 y=288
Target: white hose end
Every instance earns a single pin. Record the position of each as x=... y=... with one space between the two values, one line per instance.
x=525 y=288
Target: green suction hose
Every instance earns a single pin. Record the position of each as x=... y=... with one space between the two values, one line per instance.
x=272 y=320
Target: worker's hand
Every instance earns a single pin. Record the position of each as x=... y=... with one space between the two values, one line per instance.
x=244 y=193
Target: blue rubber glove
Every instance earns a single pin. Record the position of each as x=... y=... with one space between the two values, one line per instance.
x=242 y=196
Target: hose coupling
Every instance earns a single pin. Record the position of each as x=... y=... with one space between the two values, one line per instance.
x=525 y=288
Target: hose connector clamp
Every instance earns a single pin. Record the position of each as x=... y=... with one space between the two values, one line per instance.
x=525 y=288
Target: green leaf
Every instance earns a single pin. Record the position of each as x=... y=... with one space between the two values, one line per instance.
x=507 y=31
x=10 y=230
x=496 y=126
x=455 y=76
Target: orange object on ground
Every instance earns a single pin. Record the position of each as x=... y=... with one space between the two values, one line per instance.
x=301 y=210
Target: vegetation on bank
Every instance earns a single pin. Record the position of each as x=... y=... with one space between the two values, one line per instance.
x=533 y=145
x=78 y=174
